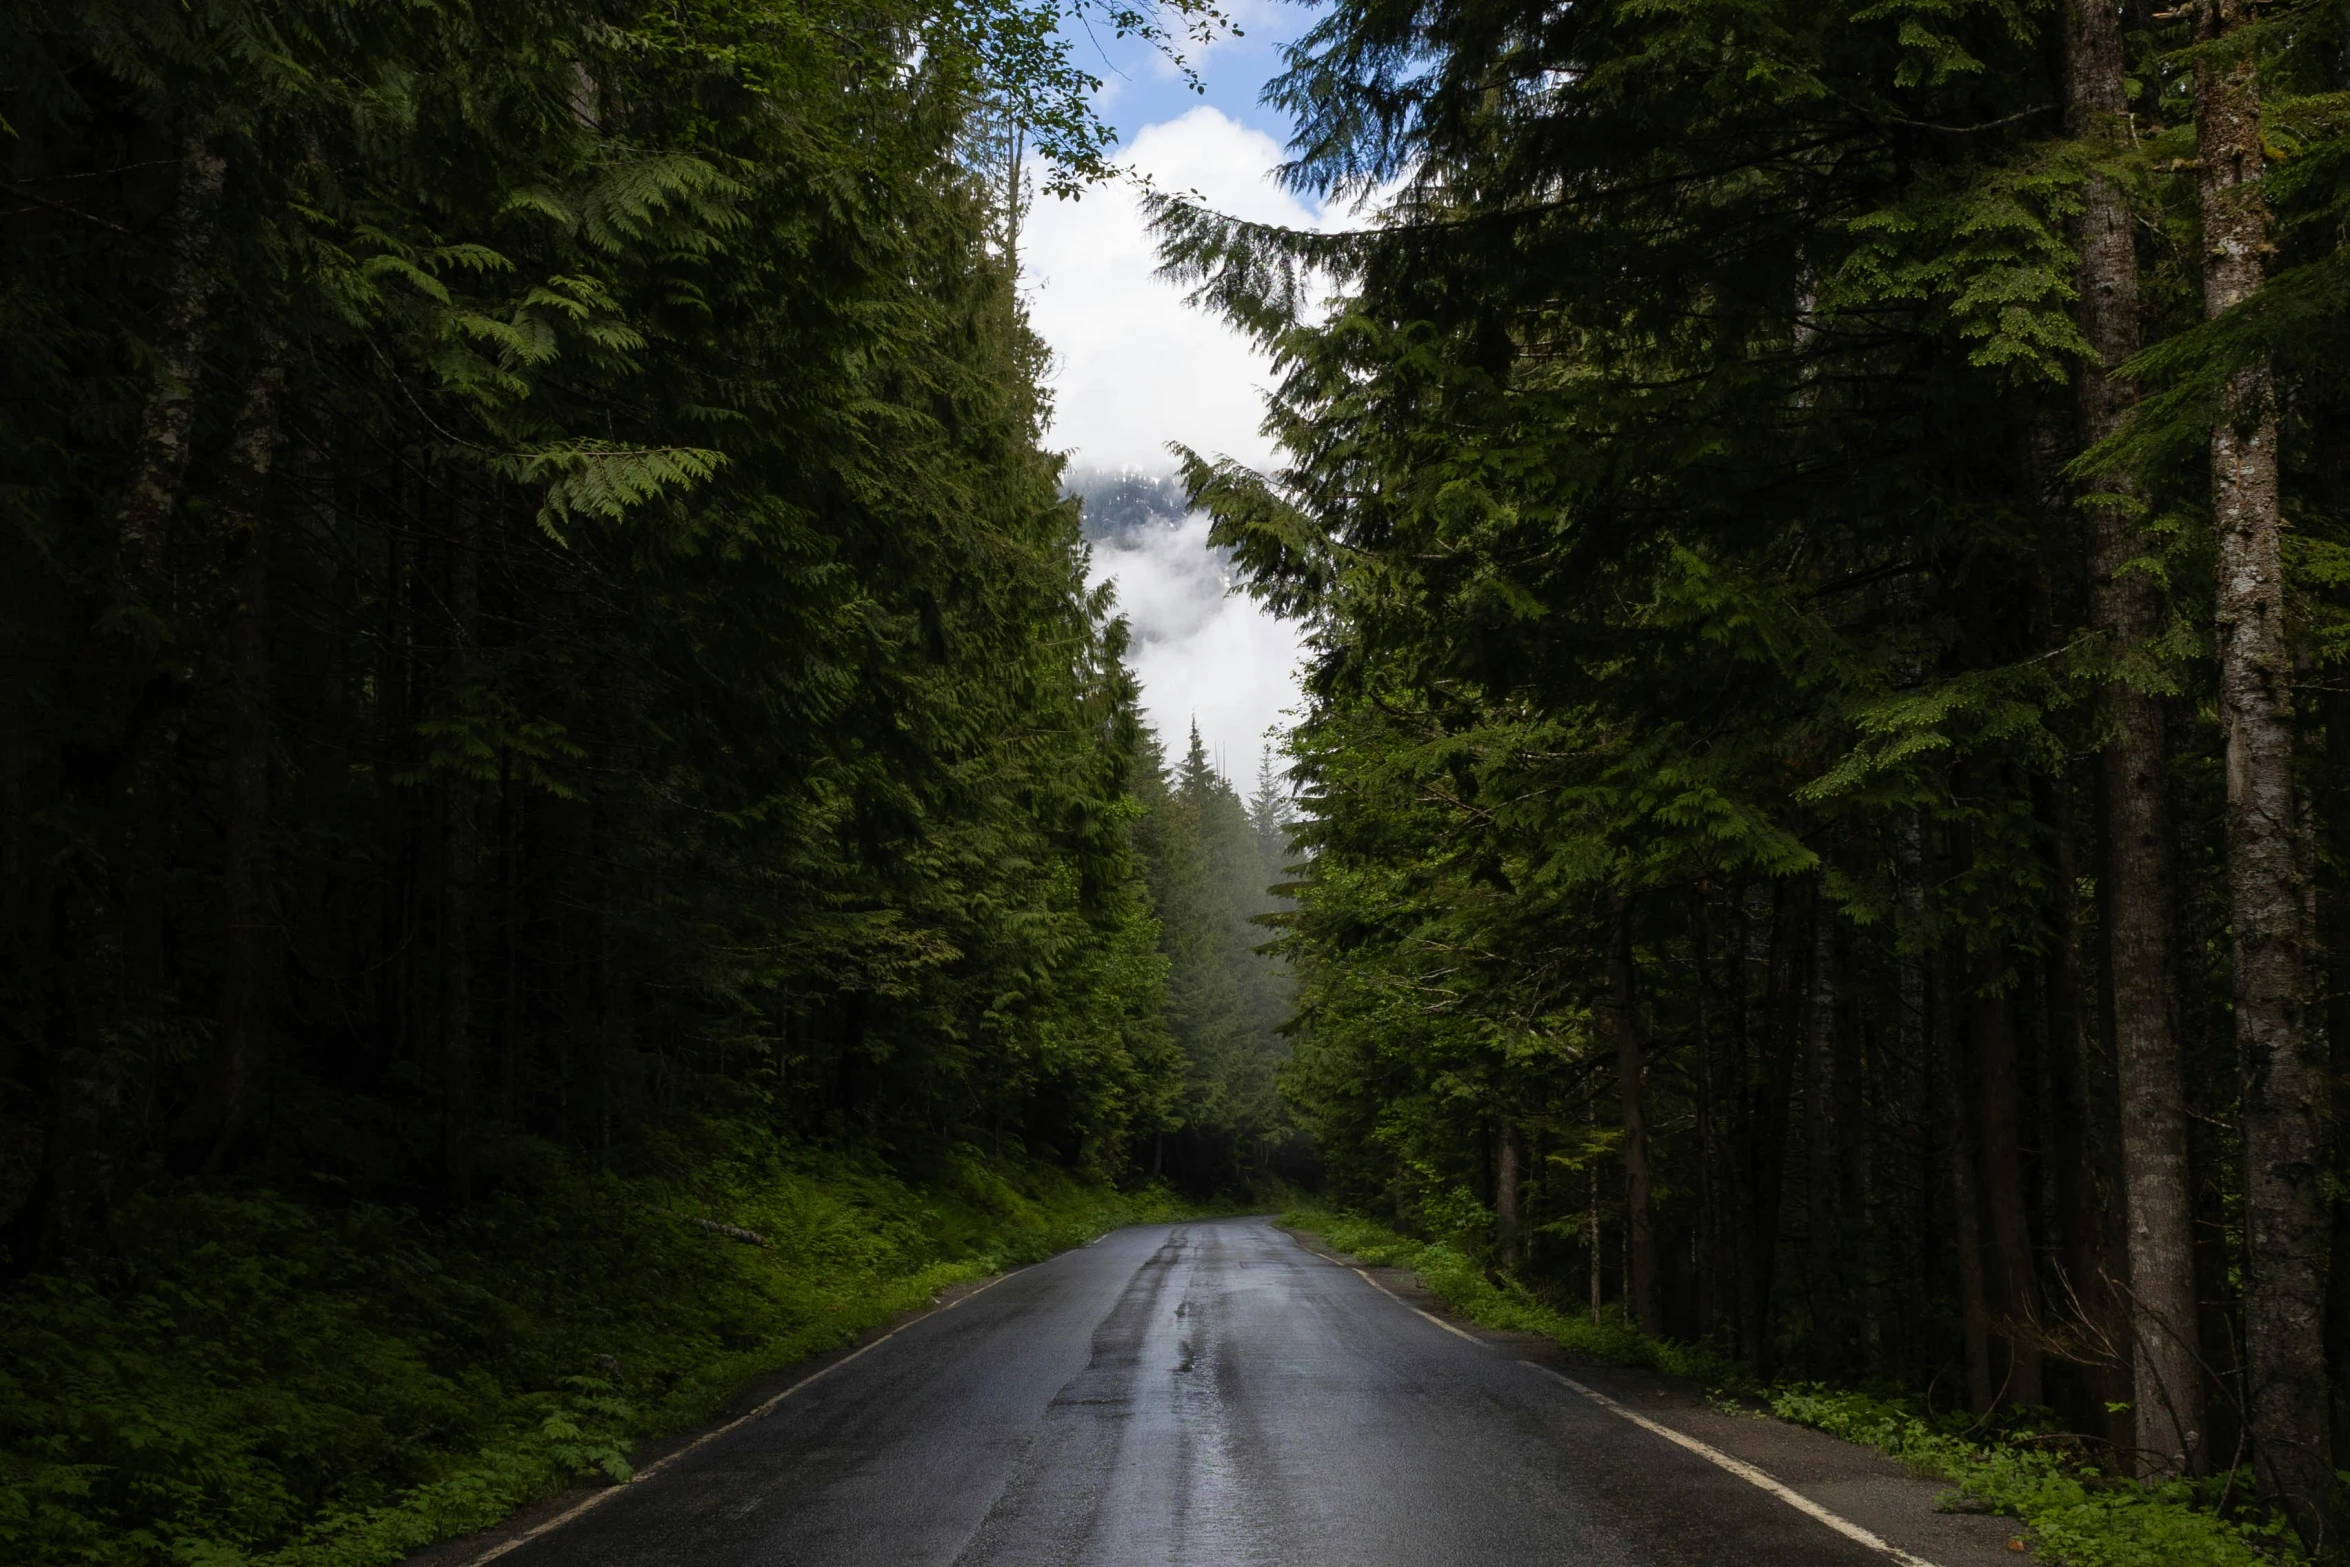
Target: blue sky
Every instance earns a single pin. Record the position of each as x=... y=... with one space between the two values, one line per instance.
x=1139 y=89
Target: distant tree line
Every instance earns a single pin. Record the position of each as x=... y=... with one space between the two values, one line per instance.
x=1827 y=778
x=1215 y=865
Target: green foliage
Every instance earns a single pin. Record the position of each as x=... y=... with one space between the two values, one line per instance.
x=1986 y=250
x=257 y=1380
x=2078 y=1514
x=1715 y=734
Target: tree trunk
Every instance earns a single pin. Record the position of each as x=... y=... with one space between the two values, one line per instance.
x=2268 y=870
x=1974 y=1312
x=2083 y=1301
x=1860 y=1286
x=1826 y=1242
x=1507 y=1160
x=1713 y=1268
x=162 y=457
x=2334 y=469
x=460 y=846
x=1631 y=1068
x=118 y=931
x=1922 y=1246
x=1015 y=199
x=1999 y=1131
x=2125 y=607
x=1598 y=1278
x=1766 y=1127
x=510 y=916
x=2333 y=464
x=239 y=1068
x=2337 y=719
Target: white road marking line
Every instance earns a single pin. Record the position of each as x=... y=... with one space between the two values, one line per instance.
x=1408 y=1306
x=1711 y=1454
x=596 y=1499
x=1448 y=1327
x=1743 y=1470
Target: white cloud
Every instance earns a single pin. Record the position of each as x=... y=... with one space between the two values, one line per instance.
x=1134 y=367
x=1200 y=653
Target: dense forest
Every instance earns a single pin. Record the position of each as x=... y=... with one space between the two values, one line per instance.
x=574 y=824
x=1827 y=774
x=553 y=730
x=1216 y=864
x=535 y=599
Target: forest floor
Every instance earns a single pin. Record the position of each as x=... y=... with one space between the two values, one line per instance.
x=261 y=1379
x=2034 y=1499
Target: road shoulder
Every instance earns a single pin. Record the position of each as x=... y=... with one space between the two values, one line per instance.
x=485 y=1545
x=1876 y=1493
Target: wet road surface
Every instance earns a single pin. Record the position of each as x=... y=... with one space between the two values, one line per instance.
x=1201 y=1393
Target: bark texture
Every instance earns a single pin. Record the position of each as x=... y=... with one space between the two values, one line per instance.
x=2080 y=1310
x=2337 y=721
x=1594 y=1236
x=1764 y=1128
x=2167 y=1395
x=112 y=922
x=1822 y=1082
x=2268 y=865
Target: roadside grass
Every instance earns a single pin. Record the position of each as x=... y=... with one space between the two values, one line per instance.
x=2077 y=1514
x=252 y=1379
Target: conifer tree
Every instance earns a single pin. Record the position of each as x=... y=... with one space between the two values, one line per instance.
x=2269 y=864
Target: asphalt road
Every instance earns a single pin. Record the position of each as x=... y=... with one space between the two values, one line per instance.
x=1202 y=1393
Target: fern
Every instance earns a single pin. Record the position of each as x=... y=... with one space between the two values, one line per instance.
x=587 y=479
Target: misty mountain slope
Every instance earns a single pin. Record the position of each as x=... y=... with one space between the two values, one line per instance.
x=1120 y=504
x=1204 y=653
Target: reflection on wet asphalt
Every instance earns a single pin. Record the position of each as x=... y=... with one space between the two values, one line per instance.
x=1202 y=1393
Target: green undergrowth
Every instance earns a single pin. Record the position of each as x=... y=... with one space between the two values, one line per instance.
x=256 y=1379
x=2077 y=1515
